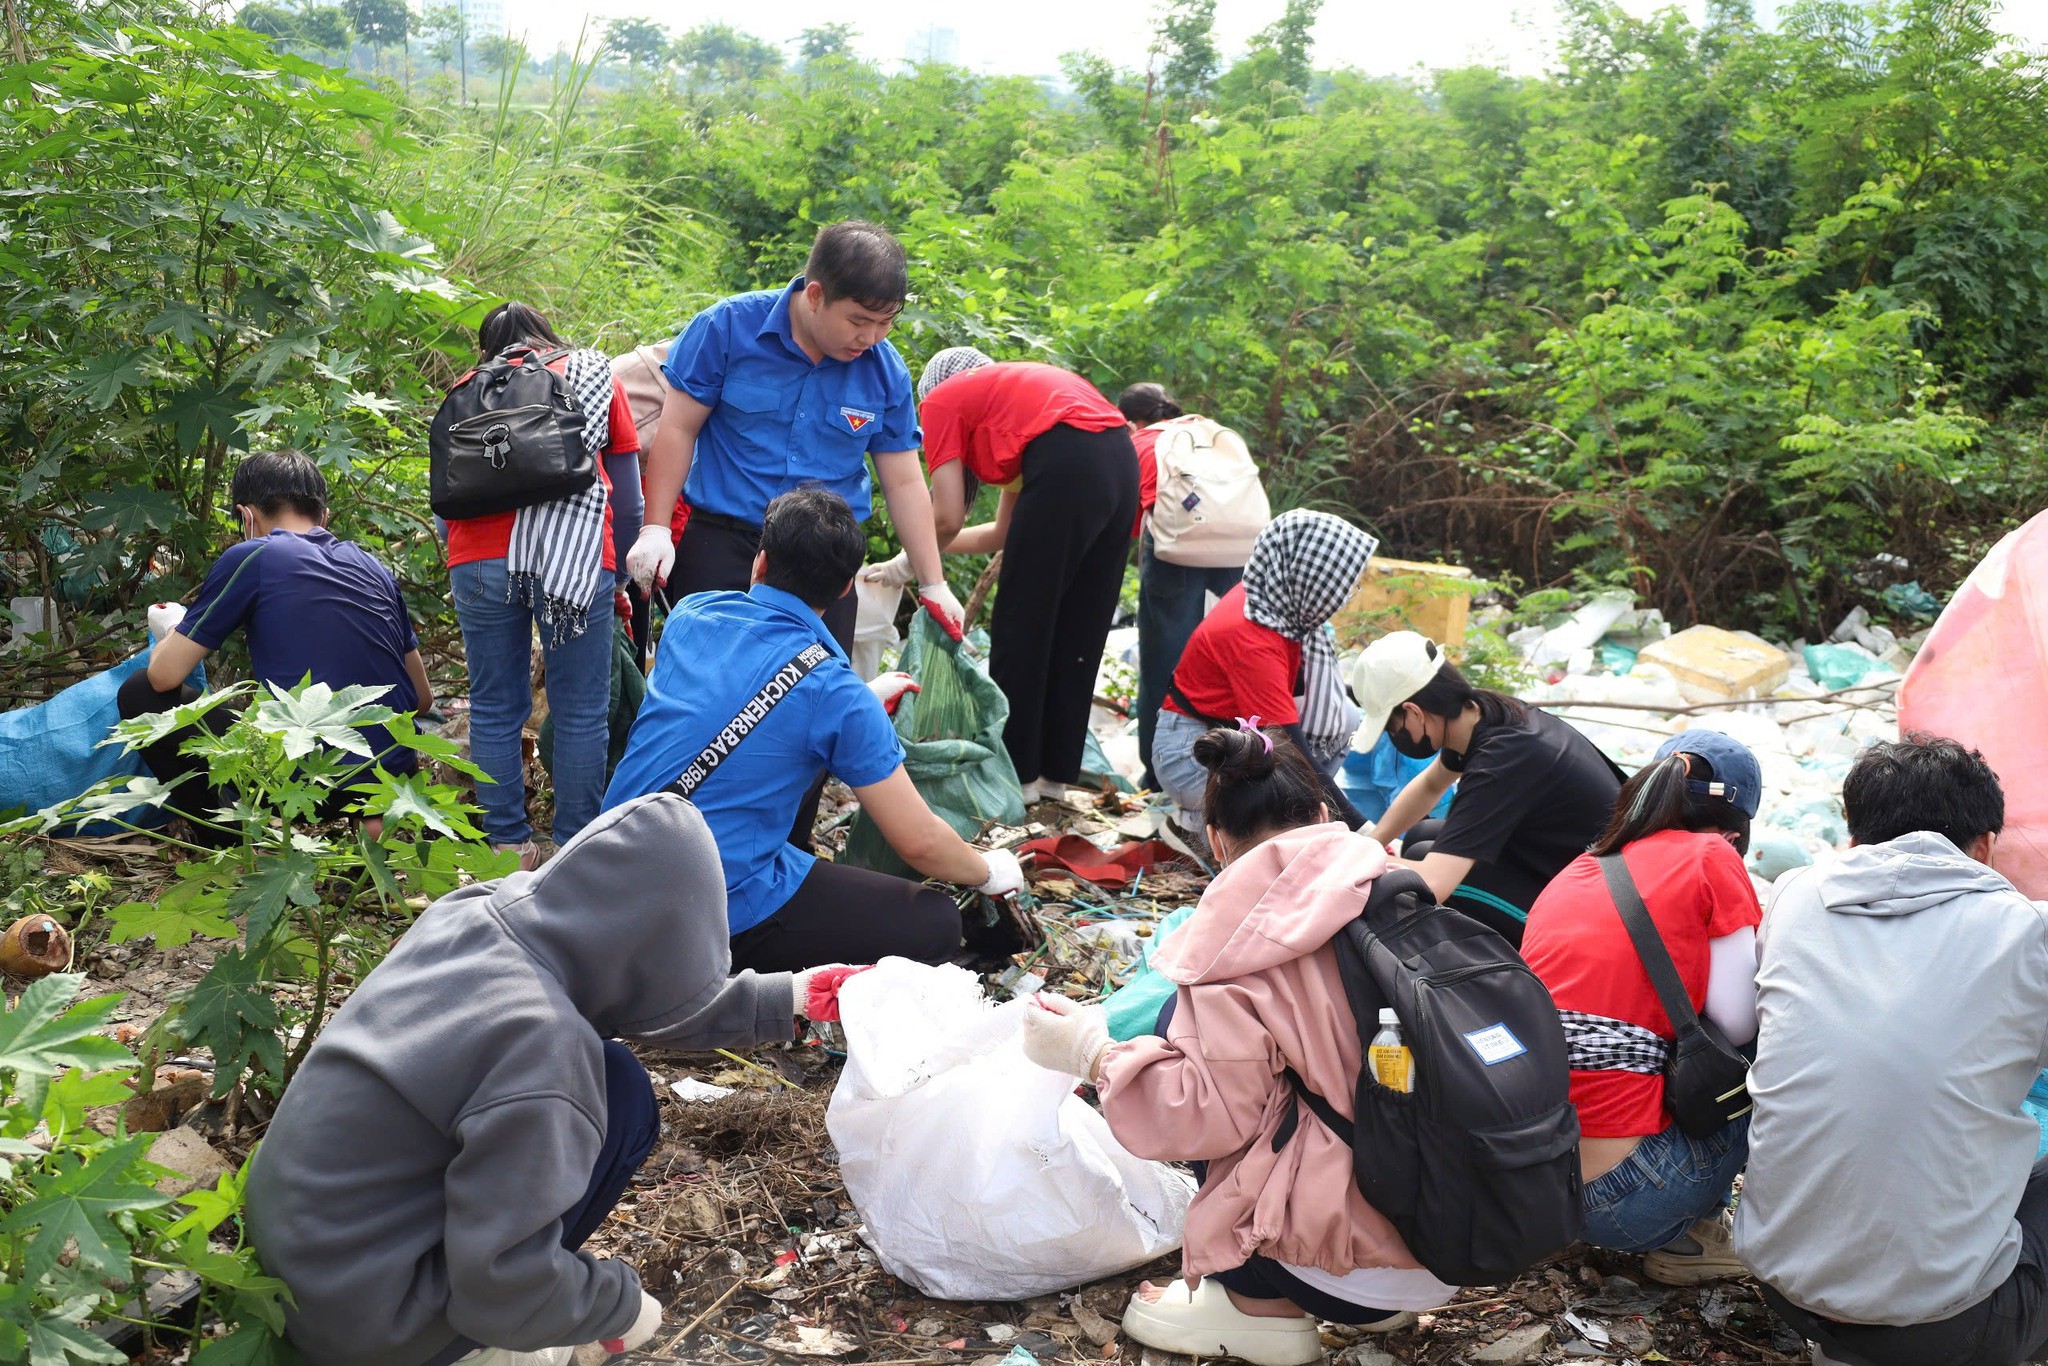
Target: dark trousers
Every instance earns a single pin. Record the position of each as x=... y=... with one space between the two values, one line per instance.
x=632 y=1123
x=1497 y=897
x=1172 y=600
x=195 y=799
x=850 y=915
x=1063 y=570
x=2007 y=1327
x=716 y=554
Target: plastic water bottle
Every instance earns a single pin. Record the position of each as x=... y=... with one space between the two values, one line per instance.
x=1393 y=1065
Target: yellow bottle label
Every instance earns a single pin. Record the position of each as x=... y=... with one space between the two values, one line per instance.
x=1392 y=1067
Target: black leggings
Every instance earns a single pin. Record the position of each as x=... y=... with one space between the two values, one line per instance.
x=1063 y=571
x=850 y=915
x=196 y=798
x=1497 y=897
x=716 y=555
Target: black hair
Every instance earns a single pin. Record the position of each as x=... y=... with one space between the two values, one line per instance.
x=814 y=545
x=271 y=481
x=1148 y=403
x=1922 y=782
x=859 y=260
x=513 y=324
x=1657 y=798
x=1448 y=694
x=1259 y=782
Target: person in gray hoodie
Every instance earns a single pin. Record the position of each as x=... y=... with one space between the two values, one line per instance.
x=1892 y=1208
x=468 y=1118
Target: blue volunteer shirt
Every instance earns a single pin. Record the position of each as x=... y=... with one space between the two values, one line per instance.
x=312 y=604
x=778 y=421
x=718 y=649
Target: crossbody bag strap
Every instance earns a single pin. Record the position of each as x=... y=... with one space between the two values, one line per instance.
x=779 y=685
x=1649 y=944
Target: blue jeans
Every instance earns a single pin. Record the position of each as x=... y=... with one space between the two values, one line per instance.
x=1660 y=1189
x=1179 y=776
x=1172 y=600
x=497 y=637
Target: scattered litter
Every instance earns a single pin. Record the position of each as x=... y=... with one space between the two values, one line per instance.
x=1000 y=1333
x=1911 y=600
x=1093 y=1326
x=1589 y=1329
x=1019 y=1357
x=814 y=1342
x=691 y=1091
x=1713 y=665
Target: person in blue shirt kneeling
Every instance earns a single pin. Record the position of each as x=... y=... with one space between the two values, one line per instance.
x=750 y=703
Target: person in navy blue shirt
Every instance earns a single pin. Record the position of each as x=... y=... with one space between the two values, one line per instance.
x=309 y=604
x=787 y=910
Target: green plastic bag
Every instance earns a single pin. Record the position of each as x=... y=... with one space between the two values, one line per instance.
x=966 y=775
x=629 y=690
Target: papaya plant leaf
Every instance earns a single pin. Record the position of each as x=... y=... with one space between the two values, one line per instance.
x=100 y=381
x=279 y=881
x=41 y=1037
x=230 y=1011
x=77 y=1201
x=319 y=715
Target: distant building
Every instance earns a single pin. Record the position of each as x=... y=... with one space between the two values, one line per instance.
x=483 y=18
x=933 y=44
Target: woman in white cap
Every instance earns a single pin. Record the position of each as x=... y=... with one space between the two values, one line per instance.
x=1062 y=456
x=1533 y=792
x=1261 y=655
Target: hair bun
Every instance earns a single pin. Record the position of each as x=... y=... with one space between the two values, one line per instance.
x=1235 y=756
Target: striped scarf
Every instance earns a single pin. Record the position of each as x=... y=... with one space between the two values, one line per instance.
x=556 y=556
x=1302 y=569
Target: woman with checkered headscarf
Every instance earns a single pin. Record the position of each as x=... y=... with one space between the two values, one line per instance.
x=1264 y=652
x=1062 y=457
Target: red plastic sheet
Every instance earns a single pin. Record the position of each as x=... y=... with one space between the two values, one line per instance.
x=1982 y=678
x=1113 y=869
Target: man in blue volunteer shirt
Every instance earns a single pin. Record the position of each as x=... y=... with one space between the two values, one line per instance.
x=786 y=909
x=780 y=388
x=309 y=604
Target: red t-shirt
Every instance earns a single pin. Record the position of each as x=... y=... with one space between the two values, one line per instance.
x=1697 y=890
x=490 y=538
x=1146 y=439
x=1235 y=667
x=986 y=417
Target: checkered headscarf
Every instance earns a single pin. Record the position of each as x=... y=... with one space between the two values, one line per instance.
x=954 y=360
x=1302 y=569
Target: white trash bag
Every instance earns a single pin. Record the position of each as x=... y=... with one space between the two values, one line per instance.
x=979 y=1174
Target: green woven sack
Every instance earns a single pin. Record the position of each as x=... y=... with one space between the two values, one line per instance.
x=952 y=749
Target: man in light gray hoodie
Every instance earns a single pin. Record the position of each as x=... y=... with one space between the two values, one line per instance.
x=1892 y=1206
x=468 y=1118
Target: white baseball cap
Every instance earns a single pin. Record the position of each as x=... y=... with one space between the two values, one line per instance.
x=1393 y=669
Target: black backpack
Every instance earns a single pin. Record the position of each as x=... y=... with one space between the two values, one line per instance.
x=1478 y=1166
x=509 y=435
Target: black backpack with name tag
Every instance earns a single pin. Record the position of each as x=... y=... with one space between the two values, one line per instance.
x=509 y=435
x=1478 y=1165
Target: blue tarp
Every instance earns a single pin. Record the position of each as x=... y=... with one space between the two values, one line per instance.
x=1372 y=781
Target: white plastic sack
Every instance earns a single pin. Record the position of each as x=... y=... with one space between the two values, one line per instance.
x=874 y=625
x=980 y=1175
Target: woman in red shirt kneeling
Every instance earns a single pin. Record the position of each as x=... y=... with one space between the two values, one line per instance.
x=1680 y=827
x=1062 y=456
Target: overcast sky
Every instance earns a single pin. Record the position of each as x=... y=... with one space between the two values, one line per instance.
x=1026 y=37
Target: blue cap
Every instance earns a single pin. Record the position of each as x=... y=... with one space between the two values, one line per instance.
x=1737 y=778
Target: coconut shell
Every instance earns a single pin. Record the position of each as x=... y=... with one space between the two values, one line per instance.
x=34 y=946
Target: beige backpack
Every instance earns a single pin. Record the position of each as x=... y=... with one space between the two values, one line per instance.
x=1211 y=505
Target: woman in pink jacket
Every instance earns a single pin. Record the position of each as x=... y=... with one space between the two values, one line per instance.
x=1275 y=1240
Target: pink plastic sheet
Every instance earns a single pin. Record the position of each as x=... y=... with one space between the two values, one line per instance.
x=1982 y=678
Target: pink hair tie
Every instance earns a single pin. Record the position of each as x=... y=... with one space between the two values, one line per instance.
x=1251 y=724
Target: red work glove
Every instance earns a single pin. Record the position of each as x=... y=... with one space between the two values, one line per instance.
x=946 y=610
x=889 y=690
x=817 y=990
x=622 y=606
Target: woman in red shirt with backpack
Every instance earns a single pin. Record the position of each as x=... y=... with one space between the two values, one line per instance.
x=1062 y=456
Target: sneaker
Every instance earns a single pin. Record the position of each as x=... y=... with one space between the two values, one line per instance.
x=1705 y=1252
x=532 y=854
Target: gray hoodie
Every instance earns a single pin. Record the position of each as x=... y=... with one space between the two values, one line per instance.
x=1903 y=1001
x=411 y=1188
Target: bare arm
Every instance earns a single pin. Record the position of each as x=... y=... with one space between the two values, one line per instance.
x=668 y=463
x=422 y=690
x=910 y=510
x=1423 y=792
x=172 y=660
x=987 y=538
x=923 y=841
x=949 y=503
x=1443 y=872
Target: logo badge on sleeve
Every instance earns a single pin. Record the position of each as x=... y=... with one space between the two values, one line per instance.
x=856 y=418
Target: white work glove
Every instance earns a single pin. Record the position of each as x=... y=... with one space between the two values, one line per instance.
x=896 y=573
x=889 y=689
x=815 y=991
x=1061 y=1036
x=643 y=1327
x=946 y=610
x=652 y=556
x=1005 y=874
x=163 y=619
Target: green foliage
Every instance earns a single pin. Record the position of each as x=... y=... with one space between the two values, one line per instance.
x=83 y=1216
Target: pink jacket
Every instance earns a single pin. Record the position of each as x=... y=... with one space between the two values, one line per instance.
x=1259 y=992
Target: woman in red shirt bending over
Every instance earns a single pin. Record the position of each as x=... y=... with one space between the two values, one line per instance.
x=1680 y=827
x=1062 y=456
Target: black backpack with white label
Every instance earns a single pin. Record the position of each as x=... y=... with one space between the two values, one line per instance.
x=1478 y=1165
x=509 y=435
